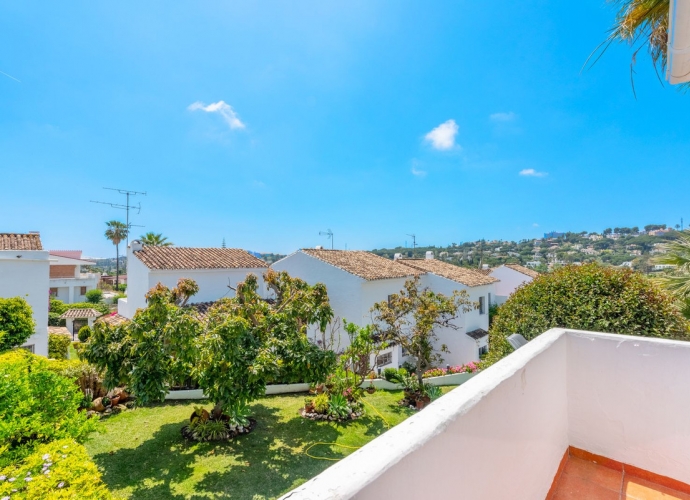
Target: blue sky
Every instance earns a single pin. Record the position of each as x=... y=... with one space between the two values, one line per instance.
x=266 y=122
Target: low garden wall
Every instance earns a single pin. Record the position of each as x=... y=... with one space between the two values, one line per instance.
x=455 y=379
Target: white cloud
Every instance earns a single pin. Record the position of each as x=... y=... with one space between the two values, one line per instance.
x=530 y=172
x=443 y=136
x=222 y=108
x=535 y=225
x=503 y=117
x=418 y=172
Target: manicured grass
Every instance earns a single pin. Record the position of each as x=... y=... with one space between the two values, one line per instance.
x=143 y=455
x=72 y=353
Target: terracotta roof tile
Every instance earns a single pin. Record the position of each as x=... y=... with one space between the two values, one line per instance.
x=80 y=313
x=366 y=265
x=524 y=270
x=463 y=275
x=113 y=319
x=197 y=258
x=61 y=330
x=17 y=241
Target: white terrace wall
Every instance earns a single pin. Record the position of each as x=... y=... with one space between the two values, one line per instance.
x=500 y=435
x=25 y=274
x=629 y=400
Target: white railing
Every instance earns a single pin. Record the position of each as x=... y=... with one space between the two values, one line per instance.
x=503 y=433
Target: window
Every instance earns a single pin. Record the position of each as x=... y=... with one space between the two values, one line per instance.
x=483 y=350
x=31 y=348
x=404 y=353
x=53 y=292
x=384 y=359
x=82 y=290
x=482 y=305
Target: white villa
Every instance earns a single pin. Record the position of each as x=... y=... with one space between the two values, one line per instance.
x=67 y=282
x=216 y=270
x=510 y=277
x=24 y=271
x=357 y=279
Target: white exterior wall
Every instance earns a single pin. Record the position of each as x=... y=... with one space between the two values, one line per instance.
x=27 y=277
x=463 y=348
x=344 y=291
x=213 y=283
x=69 y=289
x=510 y=280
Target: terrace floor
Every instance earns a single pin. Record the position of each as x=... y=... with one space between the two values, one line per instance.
x=580 y=478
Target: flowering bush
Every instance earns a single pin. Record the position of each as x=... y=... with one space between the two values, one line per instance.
x=470 y=367
x=61 y=469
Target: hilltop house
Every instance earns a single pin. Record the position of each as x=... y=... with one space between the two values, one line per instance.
x=67 y=282
x=216 y=270
x=510 y=277
x=24 y=271
x=356 y=280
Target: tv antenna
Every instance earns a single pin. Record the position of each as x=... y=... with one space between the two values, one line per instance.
x=126 y=206
x=328 y=234
x=414 y=241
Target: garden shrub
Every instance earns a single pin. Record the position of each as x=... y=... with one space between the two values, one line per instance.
x=390 y=373
x=59 y=307
x=60 y=469
x=94 y=296
x=58 y=345
x=16 y=322
x=55 y=320
x=587 y=297
x=84 y=334
x=36 y=406
x=322 y=403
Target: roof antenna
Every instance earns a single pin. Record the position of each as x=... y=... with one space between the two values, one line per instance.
x=126 y=206
x=328 y=234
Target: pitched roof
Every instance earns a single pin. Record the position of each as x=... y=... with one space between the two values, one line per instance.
x=80 y=313
x=366 y=265
x=486 y=271
x=171 y=258
x=477 y=334
x=522 y=269
x=59 y=330
x=18 y=241
x=69 y=254
x=112 y=319
x=463 y=275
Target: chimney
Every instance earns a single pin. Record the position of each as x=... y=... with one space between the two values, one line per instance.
x=397 y=256
x=318 y=247
x=136 y=245
x=429 y=255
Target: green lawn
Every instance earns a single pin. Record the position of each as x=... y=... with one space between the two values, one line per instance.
x=142 y=454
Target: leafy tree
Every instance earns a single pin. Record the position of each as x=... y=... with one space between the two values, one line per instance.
x=587 y=297
x=654 y=227
x=354 y=360
x=411 y=318
x=116 y=232
x=249 y=341
x=16 y=322
x=94 y=296
x=676 y=281
x=155 y=240
x=608 y=230
x=154 y=349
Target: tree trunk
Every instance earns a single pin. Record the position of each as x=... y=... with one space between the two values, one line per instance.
x=117 y=267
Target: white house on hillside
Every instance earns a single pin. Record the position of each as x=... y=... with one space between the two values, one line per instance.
x=24 y=270
x=67 y=282
x=510 y=277
x=357 y=279
x=216 y=270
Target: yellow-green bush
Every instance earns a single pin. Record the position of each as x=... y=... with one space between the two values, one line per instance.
x=58 y=470
x=37 y=406
x=58 y=345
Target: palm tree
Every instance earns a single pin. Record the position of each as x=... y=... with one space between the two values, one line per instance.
x=641 y=24
x=677 y=280
x=116 y=232
x=155 y=240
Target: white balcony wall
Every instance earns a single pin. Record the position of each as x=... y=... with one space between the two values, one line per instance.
x=503 y=433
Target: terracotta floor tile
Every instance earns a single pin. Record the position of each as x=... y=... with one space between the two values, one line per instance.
x=597 y=474
x=640 y=489
x=576 y=488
